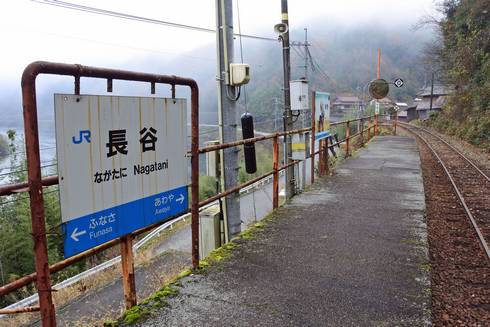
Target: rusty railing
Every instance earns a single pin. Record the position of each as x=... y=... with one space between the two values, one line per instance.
x=34 y=185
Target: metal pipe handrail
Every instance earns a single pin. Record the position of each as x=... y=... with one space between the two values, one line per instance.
x=15 y=188
x=251 y=140
x=19 y=310
x=53 y=180
x=243 y=185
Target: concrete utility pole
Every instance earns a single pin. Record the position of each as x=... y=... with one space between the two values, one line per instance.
x=227 y=113
x=431 y=90
x=306 y=114
x=306 y=54
x=276 y=113
x=288 y=115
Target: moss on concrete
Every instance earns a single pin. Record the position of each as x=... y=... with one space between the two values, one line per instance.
x=149 y=305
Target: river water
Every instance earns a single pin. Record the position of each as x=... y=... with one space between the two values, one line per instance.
x=47 y=145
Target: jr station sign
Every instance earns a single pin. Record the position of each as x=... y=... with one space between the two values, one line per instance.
x=122 y=165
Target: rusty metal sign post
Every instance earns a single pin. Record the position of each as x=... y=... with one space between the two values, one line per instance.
x=35 y=183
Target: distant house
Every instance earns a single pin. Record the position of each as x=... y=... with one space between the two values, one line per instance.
x=401 y=108
x=412 y=110
x=439 y=98
x=345 y=102
x=385 y=104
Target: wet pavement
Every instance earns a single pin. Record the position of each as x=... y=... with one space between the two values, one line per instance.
x=351 y=251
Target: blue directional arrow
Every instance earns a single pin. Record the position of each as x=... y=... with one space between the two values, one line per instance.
x=83 y=233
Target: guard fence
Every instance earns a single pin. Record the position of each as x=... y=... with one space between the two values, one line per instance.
x=366 y=127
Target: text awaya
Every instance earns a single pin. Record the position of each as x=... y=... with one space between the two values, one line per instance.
x=147 y=169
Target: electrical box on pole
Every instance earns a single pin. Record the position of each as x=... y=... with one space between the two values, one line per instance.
x=299 y=95
x=239 y=74
x=228 y=77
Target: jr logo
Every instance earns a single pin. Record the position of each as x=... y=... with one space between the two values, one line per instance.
x=85 y=134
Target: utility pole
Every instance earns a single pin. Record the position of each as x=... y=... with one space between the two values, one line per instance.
x=276 y=113
x=288 y=115
x=306 y=116
x=306 y=54
x=431 y=90
x=227 y=113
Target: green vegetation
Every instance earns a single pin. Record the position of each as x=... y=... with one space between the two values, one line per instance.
x=464 y=59
x=16 y=246
x=263 y=153
x=217 y=255
x=3 y=146
x=148 y=306
x=207 y=187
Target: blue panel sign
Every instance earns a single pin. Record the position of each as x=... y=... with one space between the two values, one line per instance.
x=97 y=228
x=122 y=165
x=322 y=135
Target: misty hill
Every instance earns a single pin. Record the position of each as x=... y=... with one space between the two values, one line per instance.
x=349 y=59
x=346 y=55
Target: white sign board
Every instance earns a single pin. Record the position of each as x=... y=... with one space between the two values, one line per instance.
x=322 y=115
x=122 y=165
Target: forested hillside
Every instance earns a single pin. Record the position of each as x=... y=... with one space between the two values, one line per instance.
x=344 y=61
x=463 y=60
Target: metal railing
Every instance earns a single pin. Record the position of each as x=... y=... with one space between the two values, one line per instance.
x=36 y=183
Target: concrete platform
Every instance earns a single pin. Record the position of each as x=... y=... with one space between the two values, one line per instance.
x=350 y=252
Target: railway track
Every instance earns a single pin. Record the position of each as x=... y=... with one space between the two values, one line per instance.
x=470 y=183
x=458 y=219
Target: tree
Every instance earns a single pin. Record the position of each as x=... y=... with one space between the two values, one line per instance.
x=464 y=58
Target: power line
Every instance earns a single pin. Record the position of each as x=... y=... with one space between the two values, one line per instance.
x=23 y=152
x=104 y=12
x=123 y=45
x=241 y=53
x=24 y=170
x=318 y=67
x=20 y=166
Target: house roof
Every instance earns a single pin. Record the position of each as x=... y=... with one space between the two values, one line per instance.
x=346 y=98
x=437 y=103
x=384 y=101
x=414 y=103
x=438 y=90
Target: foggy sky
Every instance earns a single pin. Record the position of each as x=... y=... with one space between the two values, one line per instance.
x=32 y=31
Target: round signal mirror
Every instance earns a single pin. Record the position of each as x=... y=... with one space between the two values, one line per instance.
x=379 y=88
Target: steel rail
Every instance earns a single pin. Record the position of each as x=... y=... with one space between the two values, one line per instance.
x=456 y=189
x=454 y=149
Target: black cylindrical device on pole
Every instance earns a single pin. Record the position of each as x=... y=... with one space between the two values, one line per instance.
x=248 y=149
